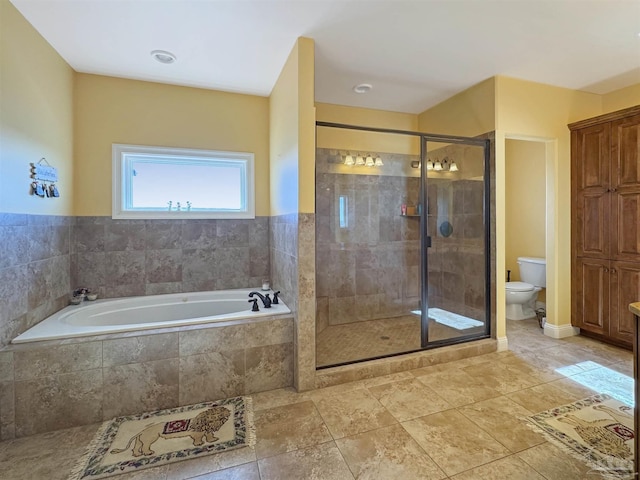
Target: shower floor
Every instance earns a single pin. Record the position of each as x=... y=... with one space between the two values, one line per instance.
x=350 y=342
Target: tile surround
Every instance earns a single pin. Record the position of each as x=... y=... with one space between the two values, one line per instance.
x=55 y=385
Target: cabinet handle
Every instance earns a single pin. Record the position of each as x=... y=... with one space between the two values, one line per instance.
x=613 y=190
x=606 y=269
x=608 y=190
x=613 y=270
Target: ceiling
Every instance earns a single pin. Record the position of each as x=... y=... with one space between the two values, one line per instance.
x=414 y=53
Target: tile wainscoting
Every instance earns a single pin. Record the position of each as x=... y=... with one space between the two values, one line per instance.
x=54 y=385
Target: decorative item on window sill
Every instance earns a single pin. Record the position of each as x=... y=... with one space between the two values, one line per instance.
x=359 y=160
x=178 y=207
x=44 y=179
x=439 y=166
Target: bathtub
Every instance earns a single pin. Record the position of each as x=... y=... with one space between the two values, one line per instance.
x=117 y=315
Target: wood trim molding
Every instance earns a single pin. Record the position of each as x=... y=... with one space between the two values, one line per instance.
x=607 y=117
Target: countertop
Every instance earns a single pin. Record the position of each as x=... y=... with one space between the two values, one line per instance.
x=635 y=308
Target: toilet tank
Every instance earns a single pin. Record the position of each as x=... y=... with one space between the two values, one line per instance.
x=533 y=270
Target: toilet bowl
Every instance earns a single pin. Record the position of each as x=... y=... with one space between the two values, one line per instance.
x=521 y=296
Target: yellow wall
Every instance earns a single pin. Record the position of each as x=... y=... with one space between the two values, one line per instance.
x=292 y=133
x=468 y=114
x=354 y=140
x=619 y=99
x=525 y=202
x=535 y=111
x=36 y=120
x=113 y=110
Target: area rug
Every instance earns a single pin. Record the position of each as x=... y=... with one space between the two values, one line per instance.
x=598 y=430
x=132 y=443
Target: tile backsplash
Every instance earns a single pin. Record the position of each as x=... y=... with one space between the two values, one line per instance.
x=43 y=258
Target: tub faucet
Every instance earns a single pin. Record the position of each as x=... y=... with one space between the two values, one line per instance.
x=266 y=300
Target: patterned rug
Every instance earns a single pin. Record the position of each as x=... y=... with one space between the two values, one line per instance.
x=598 y=430
x=132 y=443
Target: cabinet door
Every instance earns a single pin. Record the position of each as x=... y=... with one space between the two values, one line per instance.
x=625 y=289
x=625 y=188
x=591 y=295
x=591 y=151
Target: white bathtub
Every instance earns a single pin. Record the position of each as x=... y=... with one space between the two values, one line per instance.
x=143 y=313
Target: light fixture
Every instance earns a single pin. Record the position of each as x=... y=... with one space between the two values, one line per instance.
x=163 y=56
x=359 y=160
x=415 y=164
x=429 y=165
x=369 y=162
x=363 y=88
x=378 y=162
x=348 y=160
x=453 y=167
x=437 y=166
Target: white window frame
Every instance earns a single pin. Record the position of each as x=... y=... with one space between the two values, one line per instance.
x=121 y=181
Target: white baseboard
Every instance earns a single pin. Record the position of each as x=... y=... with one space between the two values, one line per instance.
x=503 y=344
x=561 y=331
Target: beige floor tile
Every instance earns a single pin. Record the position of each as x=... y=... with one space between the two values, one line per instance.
x=500 y=376
x=210 y=463
x=289 y=427
x=248 y=471
x=458 y=388
x=387 y=453
x=353 y=412
x=48 y=456
x=454 y=442
x=509 y=468
x=549 y=395
x=409 y=399
x=321 y=462
x=504 y=420
x=554 y=464
x=277 y=398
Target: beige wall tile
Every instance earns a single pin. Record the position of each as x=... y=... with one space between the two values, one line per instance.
x=145 y=348
x=40 y=362
x=51 y=403
x=140 y=387
x=7 y=411
x=6 y=366
x=268 y=367
x=217 y=339
x=271 y=332
x=211 y=376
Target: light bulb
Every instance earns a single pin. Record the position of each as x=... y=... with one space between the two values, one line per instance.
x=349 y=160
x=379 y=162
x=359 y=160
x=369 y=162
x=453 y=167
x=429 y=165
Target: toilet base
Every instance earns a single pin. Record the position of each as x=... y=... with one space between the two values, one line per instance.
x=519 y=311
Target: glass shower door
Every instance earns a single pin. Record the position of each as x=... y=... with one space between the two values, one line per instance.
x=455 y=250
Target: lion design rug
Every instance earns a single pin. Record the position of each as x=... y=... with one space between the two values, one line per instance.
x=598 y=430
x=131 y=443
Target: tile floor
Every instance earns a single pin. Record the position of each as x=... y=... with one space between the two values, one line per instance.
x=459 y=420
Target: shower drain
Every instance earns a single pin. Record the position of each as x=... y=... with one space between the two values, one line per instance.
x=384 y=337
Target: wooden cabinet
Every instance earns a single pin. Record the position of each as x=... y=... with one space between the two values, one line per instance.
x=605 y=187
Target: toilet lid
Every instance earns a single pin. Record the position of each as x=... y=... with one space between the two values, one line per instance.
x=519 y=286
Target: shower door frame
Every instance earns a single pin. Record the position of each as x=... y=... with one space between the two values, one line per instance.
x=424 y=233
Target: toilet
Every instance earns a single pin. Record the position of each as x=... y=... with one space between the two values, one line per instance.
x=521 y=296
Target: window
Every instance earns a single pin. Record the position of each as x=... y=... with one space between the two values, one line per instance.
x=158 y=182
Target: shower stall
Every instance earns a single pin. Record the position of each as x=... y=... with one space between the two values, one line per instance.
x=402 y=243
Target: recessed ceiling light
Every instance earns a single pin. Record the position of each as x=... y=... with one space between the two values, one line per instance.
x=363 y=88
x=163 y=56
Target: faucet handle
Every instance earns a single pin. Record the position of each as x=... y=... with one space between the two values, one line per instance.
x=275 y=298
x=267 y=301
x=255 y=307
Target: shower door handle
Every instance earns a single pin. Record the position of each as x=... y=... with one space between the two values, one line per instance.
x=428 y=241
